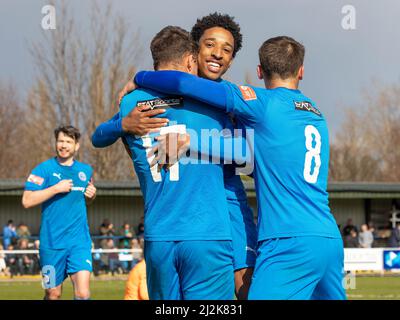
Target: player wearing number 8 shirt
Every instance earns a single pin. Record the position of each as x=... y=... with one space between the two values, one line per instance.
x=188 y=249
x=300 y=251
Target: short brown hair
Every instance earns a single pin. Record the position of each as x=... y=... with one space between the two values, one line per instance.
x=69 y=131
x=170 y=45
x=281 y=56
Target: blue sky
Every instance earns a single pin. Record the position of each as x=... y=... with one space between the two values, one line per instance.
x=339 y=63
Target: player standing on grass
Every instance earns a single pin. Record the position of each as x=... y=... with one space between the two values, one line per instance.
x=300 y=250
x=63 y=187
x=188 y=248
x=219 y=40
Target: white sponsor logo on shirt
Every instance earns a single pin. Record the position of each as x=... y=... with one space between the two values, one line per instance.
x=82 y=189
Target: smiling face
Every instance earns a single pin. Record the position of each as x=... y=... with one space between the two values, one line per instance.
x=66 y=147
x=216 y=53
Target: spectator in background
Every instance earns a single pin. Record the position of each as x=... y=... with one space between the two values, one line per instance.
x=136 y=286
x=98 y=262
x=113 y=260
x=106 y=230
x=9 y=233
x=3 y=266
x=127 y=234
x=348 y=227
x=137 y=255
x=372 y=228
x=35 y=257
x=351 y=240
x=25 y=261
x=140 y=228
x=394 y=240
x=365 y=238
x=23 y=231
x=11 y=261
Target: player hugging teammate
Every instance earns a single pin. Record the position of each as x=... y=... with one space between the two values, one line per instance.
x=200 y=238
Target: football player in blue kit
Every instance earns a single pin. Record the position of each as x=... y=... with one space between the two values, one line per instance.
x=63 y=187
x=219 y=40
x=188 y=247
x=300 y=251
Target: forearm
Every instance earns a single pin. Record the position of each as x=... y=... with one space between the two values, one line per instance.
x=181 y=83
x=107 y=133
x=226 y=149
x=33 y=198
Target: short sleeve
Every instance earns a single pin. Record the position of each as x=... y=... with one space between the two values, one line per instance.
x=245 y=102
x=37 y=179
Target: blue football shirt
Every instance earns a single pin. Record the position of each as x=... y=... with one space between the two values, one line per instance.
x=188 y=201
x=291 y=150
x=64 y=216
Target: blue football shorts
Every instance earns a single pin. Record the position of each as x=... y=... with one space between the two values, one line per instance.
x=244 y=234
x=57 y=264
x=189 y=270
x=299 y=268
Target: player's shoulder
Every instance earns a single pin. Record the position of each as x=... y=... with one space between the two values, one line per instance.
x=138 y=94
x=129 y=101
x=305 y=103
x=83 y=166
x=249 y=92
x=45 y=165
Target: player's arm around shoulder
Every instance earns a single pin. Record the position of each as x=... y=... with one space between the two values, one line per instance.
x=90 y=191
x=37 y=190
x=248 y=103
x=107 y=132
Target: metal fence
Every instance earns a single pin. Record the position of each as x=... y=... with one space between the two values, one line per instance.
x=104 y=261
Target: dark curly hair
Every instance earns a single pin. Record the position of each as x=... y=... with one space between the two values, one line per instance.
x=218 y=20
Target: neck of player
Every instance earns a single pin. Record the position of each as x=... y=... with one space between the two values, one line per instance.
x=290 y=83
x=65 y=161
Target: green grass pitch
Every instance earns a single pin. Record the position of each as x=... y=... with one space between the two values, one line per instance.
x=366 y=288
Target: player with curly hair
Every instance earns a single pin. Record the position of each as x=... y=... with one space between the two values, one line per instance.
x=219 y=38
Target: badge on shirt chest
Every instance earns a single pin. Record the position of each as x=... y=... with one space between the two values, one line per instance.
x=82 y=176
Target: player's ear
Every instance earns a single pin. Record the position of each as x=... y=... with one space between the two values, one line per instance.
x=300 y=74
x=77 y=145
x=259 y=72
x=191 y=64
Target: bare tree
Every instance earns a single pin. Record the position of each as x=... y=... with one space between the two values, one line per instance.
x=80 y=72
x=12 y=160
x=366 y=148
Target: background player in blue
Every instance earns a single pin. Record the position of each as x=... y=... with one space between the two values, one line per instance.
x=300 y=252
x=219 y=40
x=63 y=187
x=188 y=248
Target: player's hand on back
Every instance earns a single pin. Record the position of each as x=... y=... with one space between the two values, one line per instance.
x=128 y=88
x=170 y=148
x=63 y=186
x=140 y=121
